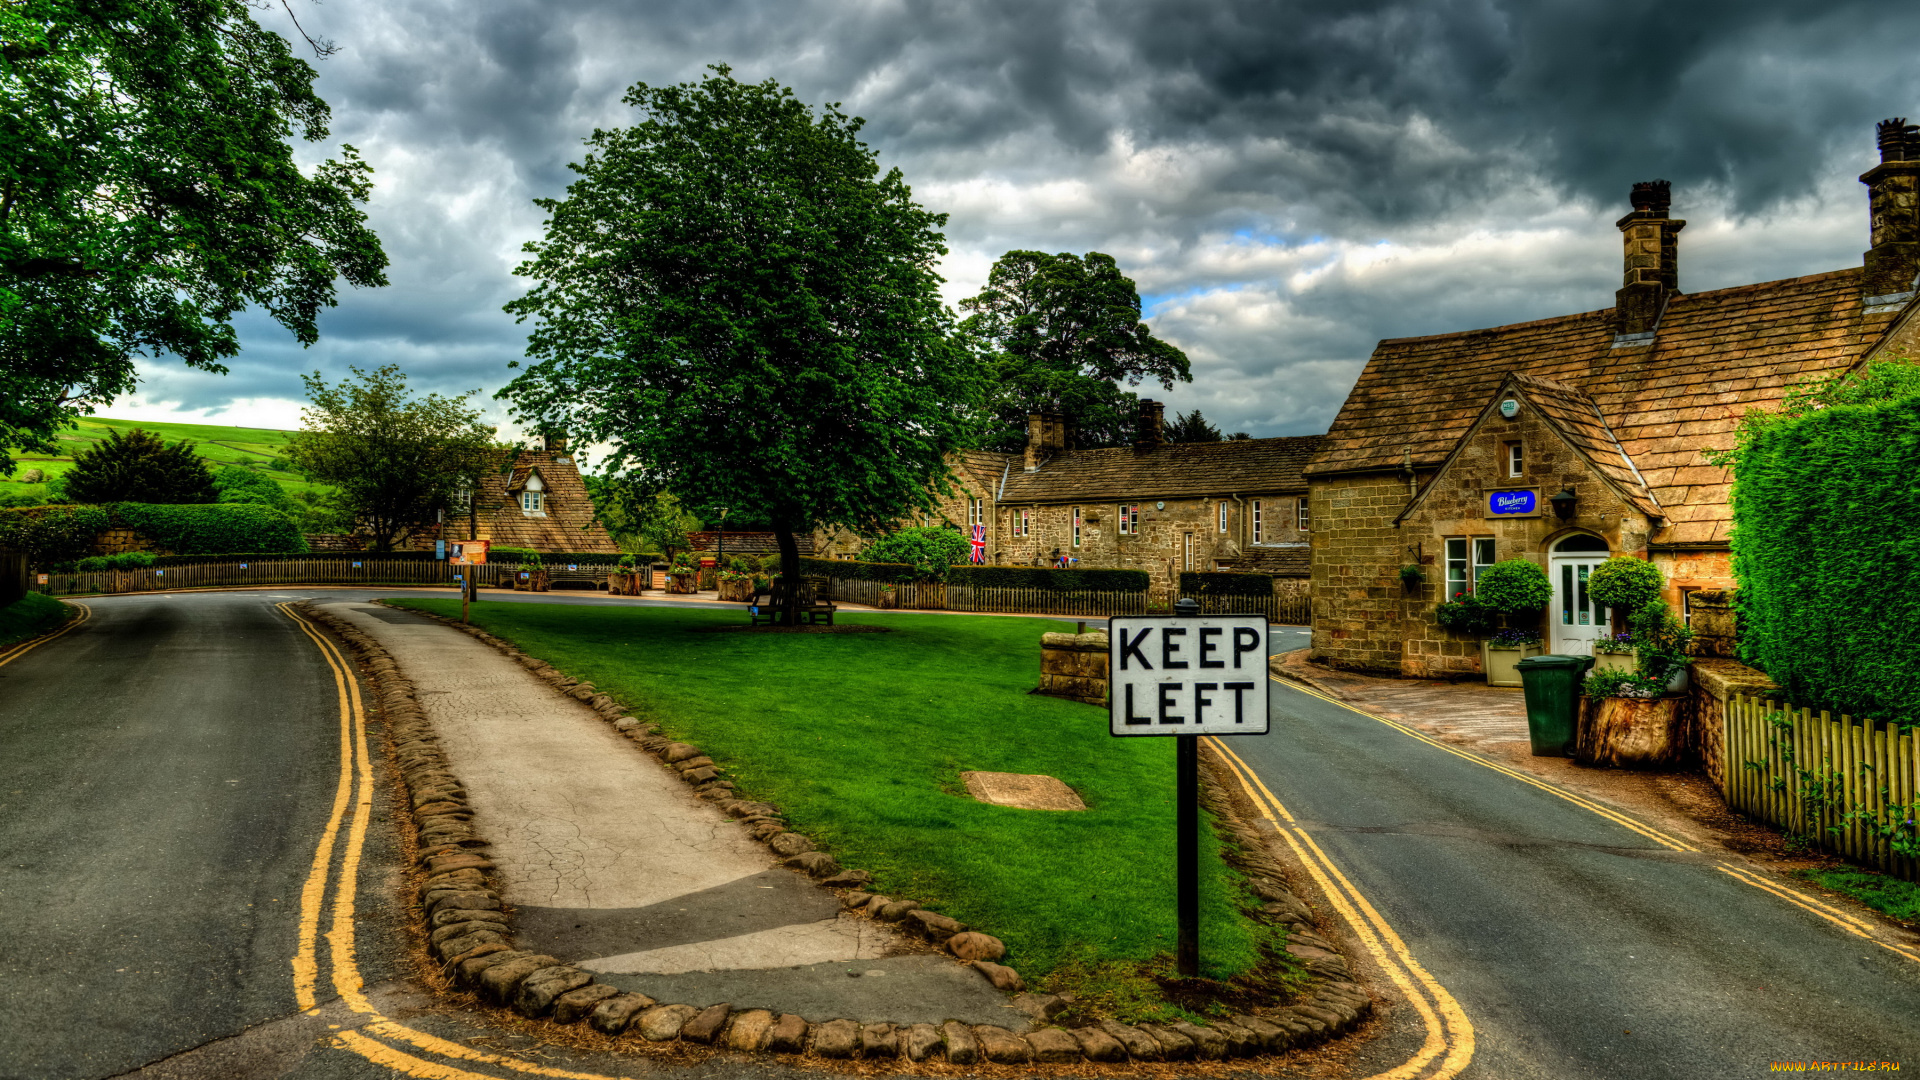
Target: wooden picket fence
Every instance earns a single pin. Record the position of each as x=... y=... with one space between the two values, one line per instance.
x=1847 y=785
x=371 y=570
x=1288 y=609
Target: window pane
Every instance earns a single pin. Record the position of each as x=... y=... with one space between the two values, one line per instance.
x=1566 y=595
x=1584 y=608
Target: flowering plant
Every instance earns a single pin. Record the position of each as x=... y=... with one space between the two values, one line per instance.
x=1617 y=645
x=1626 y=684
x=1514 y=638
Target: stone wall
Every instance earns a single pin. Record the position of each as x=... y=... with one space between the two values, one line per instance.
x=1074 y=666
x=1160 y=548
x=1358 y=609
x=1713 y=682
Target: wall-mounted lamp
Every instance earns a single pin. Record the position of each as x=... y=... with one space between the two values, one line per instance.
x=1563 y=504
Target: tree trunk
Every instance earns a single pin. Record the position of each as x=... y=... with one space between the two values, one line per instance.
x=1634 y=733
x=789 y=569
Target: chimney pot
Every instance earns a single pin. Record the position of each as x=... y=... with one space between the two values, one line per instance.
x=1046 y=436
x=1152 y=433
x=1652 y=246
x=1893 y=200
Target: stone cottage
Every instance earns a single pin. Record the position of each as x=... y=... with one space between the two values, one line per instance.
x=537 y=501
x=1155 y=506
x=1570 y=439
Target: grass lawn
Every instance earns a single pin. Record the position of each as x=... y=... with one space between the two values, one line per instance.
x=1898 y=898
x=30 y=616
x=861 y=739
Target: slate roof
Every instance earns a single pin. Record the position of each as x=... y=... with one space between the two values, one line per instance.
x=743 y=542
x=1278 y=561
x=1175 y=470
x=1716 y=355
x=982 y=470
x=568 y=525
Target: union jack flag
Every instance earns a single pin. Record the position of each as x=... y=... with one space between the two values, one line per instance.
x=979 y=544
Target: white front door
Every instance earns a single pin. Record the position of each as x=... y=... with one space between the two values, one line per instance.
x=1576 y=619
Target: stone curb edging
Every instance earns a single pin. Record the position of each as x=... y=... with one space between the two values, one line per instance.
x=470 y=935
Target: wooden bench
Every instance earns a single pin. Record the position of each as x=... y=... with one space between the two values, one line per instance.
x=769 y=605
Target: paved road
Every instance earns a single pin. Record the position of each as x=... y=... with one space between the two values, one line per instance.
x=1577 y=948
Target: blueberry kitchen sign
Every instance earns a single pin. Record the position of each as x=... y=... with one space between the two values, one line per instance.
x=1514 y=502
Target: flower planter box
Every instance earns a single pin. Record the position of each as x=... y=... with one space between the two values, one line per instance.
x=683 y=584
x=625 y=583
x=1633 y=733
x=889 y=599
x=1502 y=662
x=740 y=590
x=1613 y=661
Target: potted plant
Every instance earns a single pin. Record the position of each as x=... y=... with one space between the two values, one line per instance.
x=1412 y=577
x=535 y=571
x=1517 y=589
x=1624 y=583
x=736 y=581
x=681 y=578
x=1613 y=653
x=1467 y=616
x=1634 y=717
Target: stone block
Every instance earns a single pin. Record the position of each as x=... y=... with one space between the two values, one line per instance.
x=1001 y=1046
x=662 y=1023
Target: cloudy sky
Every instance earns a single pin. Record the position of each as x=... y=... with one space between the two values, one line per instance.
x=1287 y=182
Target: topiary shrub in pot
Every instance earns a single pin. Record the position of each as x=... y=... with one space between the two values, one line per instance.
x=1624 y=584
x=1519 y=590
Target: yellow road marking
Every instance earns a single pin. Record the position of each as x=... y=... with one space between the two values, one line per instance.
x=306 y=968
x=1375 y=934
x=1850 y=923
x=9 y=655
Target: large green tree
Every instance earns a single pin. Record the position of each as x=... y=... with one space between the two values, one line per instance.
x=395 y=460
x=1061 y=334
x=148 y=192
x=738 y=304
x=139 y=466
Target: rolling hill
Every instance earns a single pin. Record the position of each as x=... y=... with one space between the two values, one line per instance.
x=254 y=448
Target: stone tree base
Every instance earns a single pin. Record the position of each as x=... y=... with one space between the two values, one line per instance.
x=1634 y=733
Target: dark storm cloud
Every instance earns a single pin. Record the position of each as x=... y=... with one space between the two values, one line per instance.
x=1291 y=181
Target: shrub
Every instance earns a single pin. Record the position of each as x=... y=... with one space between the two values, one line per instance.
x=1828 y=560
x=52 y=534
x=1624 y=581
x=1412 y=576
x=1467 y=615
x=126 y=560
x=138 y=465
x=1513 y=637
x=1513 y=586
x=236 y=484
x=1659 y=642
x=212 y=529
x=929 y=551
x=1010 y=577
x=1225 y=583
x=1604 y=684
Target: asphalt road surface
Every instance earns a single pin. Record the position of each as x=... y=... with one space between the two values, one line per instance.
x=1576 y=947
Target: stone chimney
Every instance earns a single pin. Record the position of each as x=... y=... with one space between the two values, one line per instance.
x=554 y=441
x=1653 y=259
x=1893 y=196
x=1152 y=432
x=1046 y=436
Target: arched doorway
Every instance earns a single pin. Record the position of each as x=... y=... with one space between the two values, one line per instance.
x=1576 y=620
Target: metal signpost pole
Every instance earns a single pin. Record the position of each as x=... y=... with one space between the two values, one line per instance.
x=1187 y=675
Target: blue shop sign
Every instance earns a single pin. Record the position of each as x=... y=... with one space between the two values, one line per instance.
x=1518 y=503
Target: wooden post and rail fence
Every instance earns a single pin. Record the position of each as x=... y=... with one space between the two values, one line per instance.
x=1847 y=785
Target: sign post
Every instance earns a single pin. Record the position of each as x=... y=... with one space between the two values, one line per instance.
x=468 y=553
x=1187 y=675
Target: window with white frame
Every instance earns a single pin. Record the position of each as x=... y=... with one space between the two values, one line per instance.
x=1516 y=460
x=1466 y=557
x=533 y=498
x=1129 y=520
x=1259 y=521
x=1223 y=515
x=1300 y=511
x=1076 y=526
x=976 y=513
x=1022 y=522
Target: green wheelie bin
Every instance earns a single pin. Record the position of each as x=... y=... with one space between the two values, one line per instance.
x=1552 y=687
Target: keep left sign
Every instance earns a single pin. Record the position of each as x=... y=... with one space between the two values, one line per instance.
x=1191 y=675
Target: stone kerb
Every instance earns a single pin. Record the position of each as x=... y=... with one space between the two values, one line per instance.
x=1074 y=666
x=472 y=938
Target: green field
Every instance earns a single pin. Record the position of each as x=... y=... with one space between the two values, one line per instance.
x=861 y=739
x=255 y=448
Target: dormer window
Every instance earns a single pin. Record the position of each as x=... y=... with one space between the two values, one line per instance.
x=533 y=498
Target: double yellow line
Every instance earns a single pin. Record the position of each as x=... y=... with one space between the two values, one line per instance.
x=1448 y=1031
x=1839 y=917
x=14 y=652
x=374 y=1039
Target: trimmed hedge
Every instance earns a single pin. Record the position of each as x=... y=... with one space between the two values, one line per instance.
x=1827 y=556
x=284 y=556
x=52 y=534
x=1225 y=583
x=998 y=577
x=212 y=528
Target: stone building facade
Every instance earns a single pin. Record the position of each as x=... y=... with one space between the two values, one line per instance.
x=538 y=500
x=1155 y=506
x=1566 y=440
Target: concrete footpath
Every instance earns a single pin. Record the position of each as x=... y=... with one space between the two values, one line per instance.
x=616 y=867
